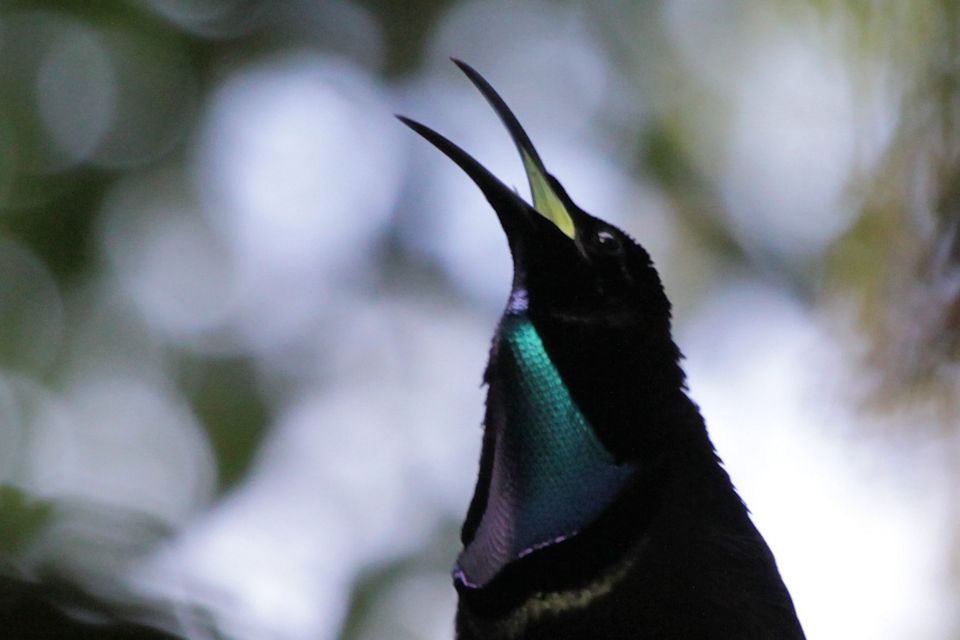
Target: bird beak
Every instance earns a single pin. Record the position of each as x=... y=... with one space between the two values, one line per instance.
x=510 y=208
x=545 y=198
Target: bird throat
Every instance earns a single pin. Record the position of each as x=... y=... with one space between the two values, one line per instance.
x=550 y=475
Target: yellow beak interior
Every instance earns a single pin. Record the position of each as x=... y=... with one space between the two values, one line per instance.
x=545 y=199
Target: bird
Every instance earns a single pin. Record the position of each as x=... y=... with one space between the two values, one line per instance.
x=601 y=509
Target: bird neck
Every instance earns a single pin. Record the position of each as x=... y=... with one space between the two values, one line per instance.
x=624 y=374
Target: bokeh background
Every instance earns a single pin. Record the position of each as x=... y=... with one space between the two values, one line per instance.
x=244 y=312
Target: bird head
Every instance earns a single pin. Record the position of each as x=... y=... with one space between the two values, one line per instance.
x=568 y=264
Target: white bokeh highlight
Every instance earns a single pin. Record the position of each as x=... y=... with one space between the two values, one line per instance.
x=177 y=271
x=788 y=120
x=299 y=168
x=299 y=152
x=76 y=92
x=122 y=443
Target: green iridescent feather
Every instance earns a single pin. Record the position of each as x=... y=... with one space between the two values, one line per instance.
x=552 y=476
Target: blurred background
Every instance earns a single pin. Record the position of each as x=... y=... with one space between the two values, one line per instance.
x=244 y=312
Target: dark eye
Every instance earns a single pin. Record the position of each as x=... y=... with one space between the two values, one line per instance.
x=609 y=243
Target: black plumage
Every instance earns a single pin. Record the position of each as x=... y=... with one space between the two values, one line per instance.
x=601 y=508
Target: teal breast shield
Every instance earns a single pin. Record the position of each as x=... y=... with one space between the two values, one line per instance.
x=551 y=476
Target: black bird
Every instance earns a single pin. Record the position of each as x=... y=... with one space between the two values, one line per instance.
x=601 y=510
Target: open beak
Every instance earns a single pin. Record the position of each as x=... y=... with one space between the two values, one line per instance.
x=510 y=208
x=545 y=198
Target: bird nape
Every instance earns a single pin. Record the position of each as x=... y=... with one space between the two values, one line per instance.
x=601 y=509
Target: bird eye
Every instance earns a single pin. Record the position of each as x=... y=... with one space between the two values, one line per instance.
x=608 y=242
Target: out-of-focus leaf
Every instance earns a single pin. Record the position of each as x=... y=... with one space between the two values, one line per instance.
x=228 y=403
x=21 y=519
